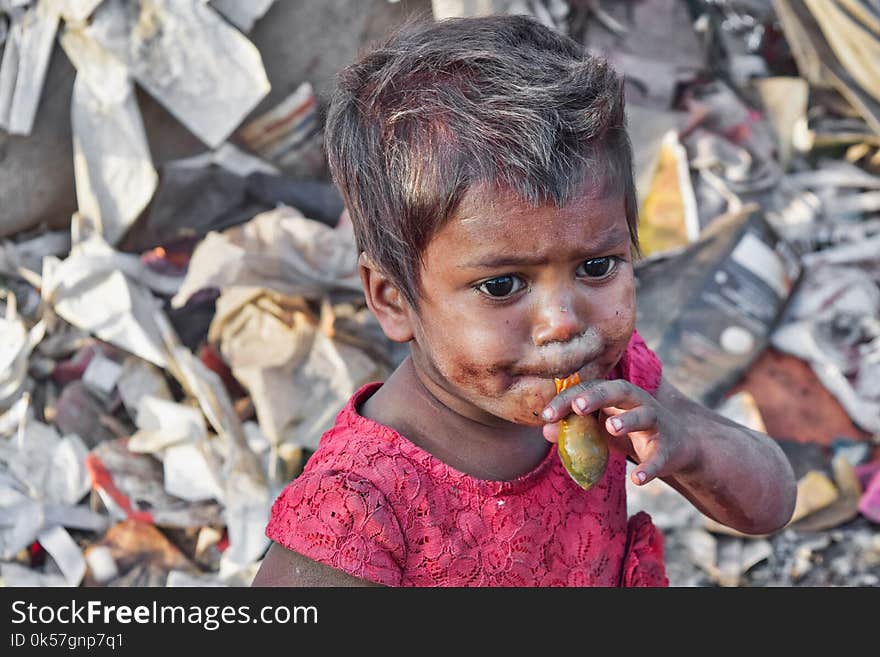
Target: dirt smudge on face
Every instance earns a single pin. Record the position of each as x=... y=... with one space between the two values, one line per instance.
x=480 y=378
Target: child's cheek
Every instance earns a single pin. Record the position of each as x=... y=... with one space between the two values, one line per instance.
x=468 y=375
x=495 y=389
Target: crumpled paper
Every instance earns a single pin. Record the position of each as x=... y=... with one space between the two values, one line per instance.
x=280 y=250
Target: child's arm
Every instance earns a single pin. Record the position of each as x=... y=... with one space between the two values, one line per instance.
x=738 y=477
x=283 y=567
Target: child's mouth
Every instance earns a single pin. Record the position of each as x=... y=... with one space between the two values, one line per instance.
x=552 y=375
x=562 y=371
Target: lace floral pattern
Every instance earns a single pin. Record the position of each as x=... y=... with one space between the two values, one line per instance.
x=374 y=505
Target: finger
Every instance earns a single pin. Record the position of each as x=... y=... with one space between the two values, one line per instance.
x=641 y=418
x=589 y=397
x=560 y=406
x=551 y=432
x=617 y=393
x=648 y=470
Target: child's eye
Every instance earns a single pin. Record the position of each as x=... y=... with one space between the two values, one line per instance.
x=597 y=267
x=501 y=286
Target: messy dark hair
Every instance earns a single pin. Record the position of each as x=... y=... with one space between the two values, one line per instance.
x=440 y=107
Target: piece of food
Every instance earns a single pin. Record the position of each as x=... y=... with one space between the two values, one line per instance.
x=583 y=451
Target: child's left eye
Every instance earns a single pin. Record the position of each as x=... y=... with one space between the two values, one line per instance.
x=597 y=267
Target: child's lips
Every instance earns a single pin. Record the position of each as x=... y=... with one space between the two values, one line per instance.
x=559 y=372
x=543 y=383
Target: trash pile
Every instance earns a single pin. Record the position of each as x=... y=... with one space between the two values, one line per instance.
x=168 y=363
x=178 y=389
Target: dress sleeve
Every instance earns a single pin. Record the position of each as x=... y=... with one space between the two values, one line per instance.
x=640 y=365
x=340 y=520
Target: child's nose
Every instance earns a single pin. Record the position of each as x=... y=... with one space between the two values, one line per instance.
x=557 y=321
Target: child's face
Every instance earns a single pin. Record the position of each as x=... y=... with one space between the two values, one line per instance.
x=513 y=296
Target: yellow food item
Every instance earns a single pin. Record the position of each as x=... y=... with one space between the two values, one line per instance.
x=583 y=451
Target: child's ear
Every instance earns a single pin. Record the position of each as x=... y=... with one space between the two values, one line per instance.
x=385 y=301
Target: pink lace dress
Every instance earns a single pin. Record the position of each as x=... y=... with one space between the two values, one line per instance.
x=373 y=504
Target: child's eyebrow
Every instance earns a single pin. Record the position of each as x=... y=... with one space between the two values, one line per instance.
x=612 y=241
x=503 y=261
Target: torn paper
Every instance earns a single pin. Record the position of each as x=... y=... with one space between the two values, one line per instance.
x=115 y=177
x=162 y=423
x=14 y=574
x=16 y=345
x=246 y=495
x=279 y=250
x=21 y=519
x=204 y=71
x=25 y=62
x=140 y=379
x=17 y=416
x=49 y=468
x=25 y=259
x=90 y=289
x=65 y=552
x=297 y=376
x=102 y=374
x=191 y=474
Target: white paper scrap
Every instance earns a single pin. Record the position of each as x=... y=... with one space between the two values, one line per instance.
x=14 y=574
x=66 y=553
x=139 y=379
x=189 y=476
x=186 y=56
x=102 y=374
x=162 y=423
x=101 y=563
x=115 y=177
x=90 y=290
x=26 y=58
x=21 y=519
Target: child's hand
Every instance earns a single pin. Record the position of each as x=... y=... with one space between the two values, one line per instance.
x=634 y=423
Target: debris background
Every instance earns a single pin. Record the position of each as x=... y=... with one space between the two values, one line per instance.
x=180 y=312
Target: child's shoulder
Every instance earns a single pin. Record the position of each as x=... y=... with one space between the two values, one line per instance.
x=346 y=492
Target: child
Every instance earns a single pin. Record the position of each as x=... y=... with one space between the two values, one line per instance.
x=487 y=172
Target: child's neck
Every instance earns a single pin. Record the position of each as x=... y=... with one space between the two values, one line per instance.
x=499 y=453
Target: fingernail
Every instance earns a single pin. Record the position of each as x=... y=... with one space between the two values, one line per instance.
x=547 y=413
x=618 y=425
x=581 y=404
x=641 y=476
